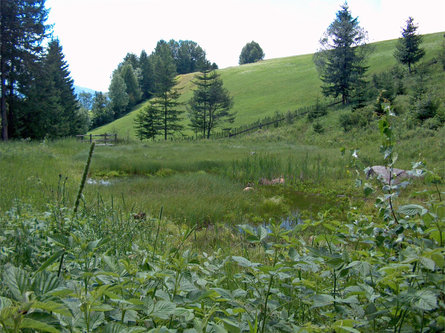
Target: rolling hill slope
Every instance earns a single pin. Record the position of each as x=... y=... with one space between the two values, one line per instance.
x=281 y=84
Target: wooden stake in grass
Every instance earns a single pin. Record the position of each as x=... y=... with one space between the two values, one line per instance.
x=84 y=178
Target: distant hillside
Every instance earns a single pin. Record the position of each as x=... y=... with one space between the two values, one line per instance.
x=78 y=90
x=275 y=85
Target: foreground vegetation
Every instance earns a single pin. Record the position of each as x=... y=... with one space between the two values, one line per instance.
x=263 y=264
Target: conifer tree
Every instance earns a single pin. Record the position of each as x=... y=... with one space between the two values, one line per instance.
x=167 y=96
x=408 y=50
x=22 y=31
x=211 y=103
x=148 y=122
x=341 y=58
x=147 y=80
x=51 y=108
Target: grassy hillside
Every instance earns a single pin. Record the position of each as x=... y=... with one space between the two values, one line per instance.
x=282 y=84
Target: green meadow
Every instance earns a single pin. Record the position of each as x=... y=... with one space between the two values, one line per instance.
x=277 y=85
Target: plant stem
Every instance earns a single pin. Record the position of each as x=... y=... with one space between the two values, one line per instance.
x=84 y=178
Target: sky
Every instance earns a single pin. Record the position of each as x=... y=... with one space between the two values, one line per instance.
x=97 y=34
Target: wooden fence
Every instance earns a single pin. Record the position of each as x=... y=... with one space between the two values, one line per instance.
x=105 y=139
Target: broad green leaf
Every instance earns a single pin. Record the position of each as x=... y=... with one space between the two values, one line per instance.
x=426 y=300
x=17 y=281
x=411 y=210
x=96 y=319
x=244 y=262
x=428 y=263
x=322 y=300
x=44 y=283
x=439 y=260
x=363 y=267
x=101 y=308
x=163 y=309
x=51 y=306
x=119 y=328
x=37 y=325
x=5 y=302
x=230 y=326
x=345 y=325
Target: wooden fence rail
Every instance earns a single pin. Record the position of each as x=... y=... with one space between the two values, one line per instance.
x=106 y=139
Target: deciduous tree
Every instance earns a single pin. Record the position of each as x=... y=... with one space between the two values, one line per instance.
x=251 y=52
x=117 y=92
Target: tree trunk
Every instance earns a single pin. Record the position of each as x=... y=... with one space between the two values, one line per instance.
x=3 y=100
x=4 y=116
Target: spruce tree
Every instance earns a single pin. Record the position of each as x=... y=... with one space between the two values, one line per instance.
x=63 y=86
x=51 y=108
x=211 y=103
x=147 y=80
x=341 y=58
x=148 y=122
x=408 y=50
x=22 y=30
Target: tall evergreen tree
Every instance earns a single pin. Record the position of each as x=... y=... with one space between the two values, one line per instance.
x=118 y=95
x=210 y=104
x=50 y=107
x=408 y=50
x=341 y=59
x=22 y=31
x=147 y=80
x=57 y=69
x=166 y=100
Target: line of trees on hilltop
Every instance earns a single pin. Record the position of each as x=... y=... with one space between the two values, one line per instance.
x=138 y=78
x=37 y=94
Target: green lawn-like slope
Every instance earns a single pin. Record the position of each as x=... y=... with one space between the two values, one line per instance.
x=275 y=85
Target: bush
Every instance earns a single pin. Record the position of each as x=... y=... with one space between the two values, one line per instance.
x=426 y=108
x=318 y=128
x=317 y=112
x=359 y=118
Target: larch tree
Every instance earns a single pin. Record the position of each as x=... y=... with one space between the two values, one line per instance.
x=342 y=56
x=166 y=96
x=211 y=103
x=408 y=50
